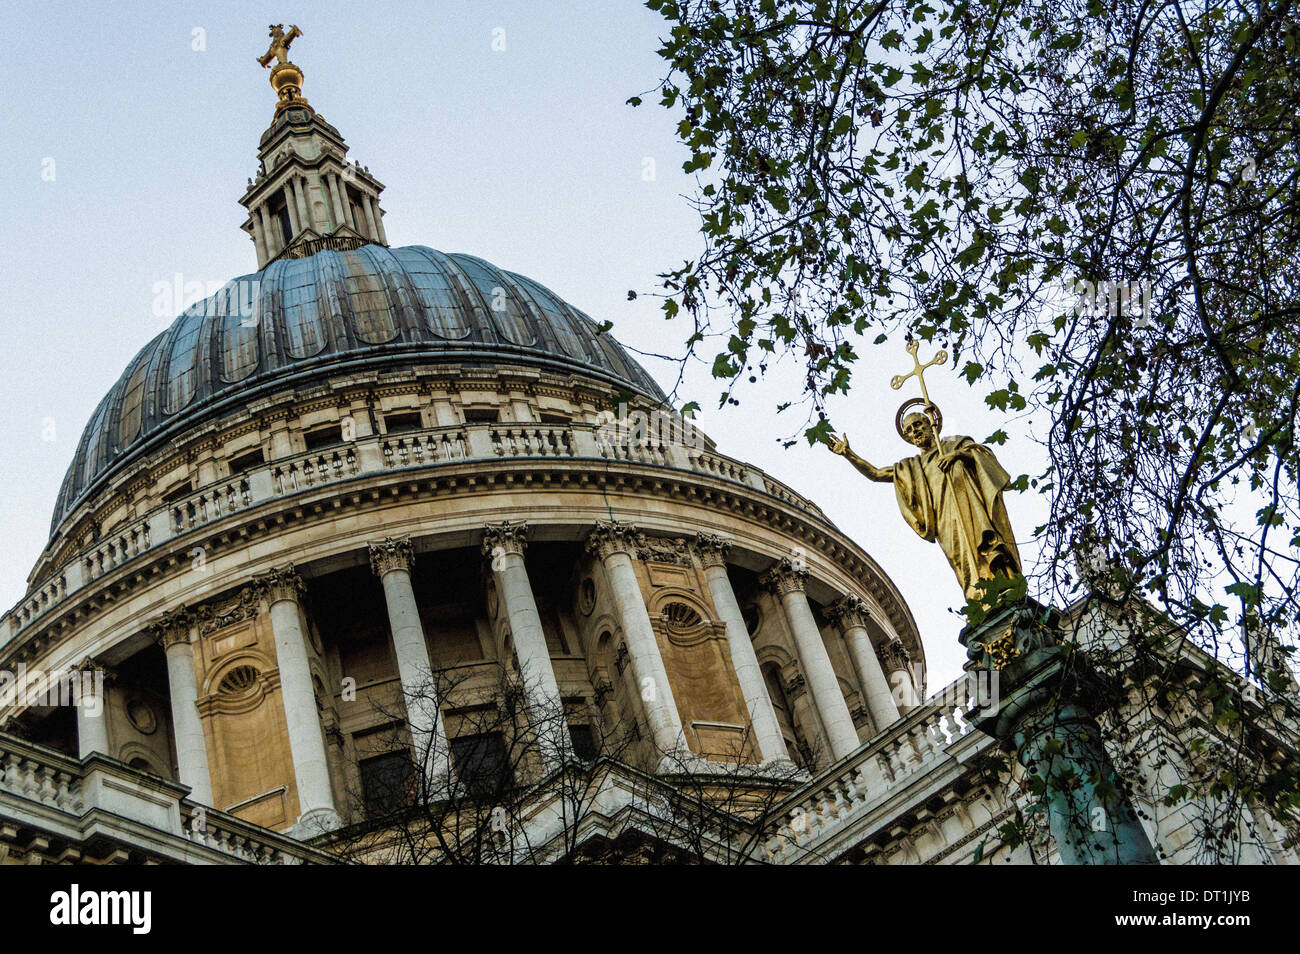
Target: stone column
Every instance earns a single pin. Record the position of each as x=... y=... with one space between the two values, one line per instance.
x=614 y=544
x=259 y=240
x=898 y=671
x=712 y=551
x=347 y=204
x=391 y=562
x=173 y=633
x=851 y=615
x=304 y=210
x=372 y=229
x=291 y=202
x=503 y=545
x=306 y=741
x=92 y=703
x=786 y=579
x=271 y=232
x=339 y=216
x=379 y=220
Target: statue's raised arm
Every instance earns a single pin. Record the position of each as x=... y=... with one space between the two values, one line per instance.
x=840 y=445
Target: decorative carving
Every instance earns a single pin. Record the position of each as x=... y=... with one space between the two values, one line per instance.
x=849 y=612
x=500 y=539
x=795 y=686
x=711 y=549
x=219 y=614
x=786 y=576
x=663 y=550
x=391 y=555
x=173 y=627
x=621 y=658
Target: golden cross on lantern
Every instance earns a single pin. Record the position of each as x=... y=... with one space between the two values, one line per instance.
x=280 y=42
x=918 y=369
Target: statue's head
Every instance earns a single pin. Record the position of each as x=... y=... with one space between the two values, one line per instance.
x=918 y=429
x=277 y=30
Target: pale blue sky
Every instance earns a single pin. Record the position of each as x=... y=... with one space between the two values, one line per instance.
x=527 y=157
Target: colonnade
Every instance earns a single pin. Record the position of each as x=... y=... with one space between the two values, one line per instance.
x=614 y=546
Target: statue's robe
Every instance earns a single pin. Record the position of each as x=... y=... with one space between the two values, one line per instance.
x=961 y=509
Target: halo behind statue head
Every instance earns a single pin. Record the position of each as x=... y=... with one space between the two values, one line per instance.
x=929 y=409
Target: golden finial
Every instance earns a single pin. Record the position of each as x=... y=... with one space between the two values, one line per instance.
x=286 y=78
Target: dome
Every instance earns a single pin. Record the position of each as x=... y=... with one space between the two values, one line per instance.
x=301 y=319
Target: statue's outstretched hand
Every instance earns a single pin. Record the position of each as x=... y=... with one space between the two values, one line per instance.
x=840 y=445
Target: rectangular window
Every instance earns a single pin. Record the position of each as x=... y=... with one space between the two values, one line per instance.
x=481 y=764
x=556 y=419
x=325 y=436
x=399 y=423
x=387 y=783
x=584 y=742
x=482 y=415
x=247 y=461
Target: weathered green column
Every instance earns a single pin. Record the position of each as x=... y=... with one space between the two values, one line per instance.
x=1046 y=699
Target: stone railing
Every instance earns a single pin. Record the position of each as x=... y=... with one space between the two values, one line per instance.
x=209 y=828
x=532 y=440
x=83 y=800
x=313 y=469
x=210 y=504
x=373 y=454
x=117 y=548
x=39 y=775
x=847 y=794
x=419 y=449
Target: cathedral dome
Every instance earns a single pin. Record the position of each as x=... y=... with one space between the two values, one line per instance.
x=303 y=319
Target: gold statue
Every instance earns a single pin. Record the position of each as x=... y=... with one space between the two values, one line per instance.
x=280 y=41
x=951 y=492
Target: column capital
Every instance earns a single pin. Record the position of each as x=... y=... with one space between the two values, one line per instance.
x=89 y=666
x=895 y=655
x=282 y=583
x=173 y=627
x=785 y=576
x=849 y=612
x=610 y=537
x=711 y=549
x=500 y=539
x=391 y=555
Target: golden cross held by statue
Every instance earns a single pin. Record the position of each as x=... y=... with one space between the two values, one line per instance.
x=918 y=369
x=280 y=42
